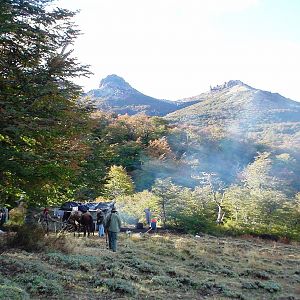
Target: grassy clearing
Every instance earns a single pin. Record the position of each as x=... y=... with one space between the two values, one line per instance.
x=155 y=267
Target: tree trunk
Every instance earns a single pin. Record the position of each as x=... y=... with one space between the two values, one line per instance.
x=164 y=214
x=221 y=214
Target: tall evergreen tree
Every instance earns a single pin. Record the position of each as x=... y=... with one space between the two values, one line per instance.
x=41 y=125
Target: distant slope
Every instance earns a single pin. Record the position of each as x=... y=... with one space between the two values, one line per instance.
x=240 y=110
x=116 y=95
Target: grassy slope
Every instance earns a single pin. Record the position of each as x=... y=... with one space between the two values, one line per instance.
x=244 y=112
x=155 y=267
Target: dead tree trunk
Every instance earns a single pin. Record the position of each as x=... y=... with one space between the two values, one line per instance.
x=221 y=213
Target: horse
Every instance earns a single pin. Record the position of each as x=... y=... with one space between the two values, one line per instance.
x=87 y=223
x=79 y=221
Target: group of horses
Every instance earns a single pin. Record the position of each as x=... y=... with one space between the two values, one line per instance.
x=77 y=222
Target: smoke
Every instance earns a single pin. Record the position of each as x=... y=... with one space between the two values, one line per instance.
x=224 y=141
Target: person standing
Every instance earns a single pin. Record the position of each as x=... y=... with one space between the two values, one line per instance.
x=148 y=216
x=45 y=219
x=100 y=221
x=2 y=217
x=113 y=229
x=153 y=224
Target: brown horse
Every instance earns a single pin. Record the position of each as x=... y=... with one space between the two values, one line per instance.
x=79 y=221
x=87 y=223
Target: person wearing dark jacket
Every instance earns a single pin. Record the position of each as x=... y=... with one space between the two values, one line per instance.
x=113 y=229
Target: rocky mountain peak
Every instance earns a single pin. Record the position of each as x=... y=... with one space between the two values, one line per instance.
x=115 y=82
x=228 y=84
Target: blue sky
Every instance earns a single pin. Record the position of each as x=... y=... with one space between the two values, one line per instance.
x=172 y=49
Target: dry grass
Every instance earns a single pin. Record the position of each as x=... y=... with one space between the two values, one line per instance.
x=155 y=267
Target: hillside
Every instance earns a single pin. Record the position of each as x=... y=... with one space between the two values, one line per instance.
x=116 y=95
x=155 y=267
x=242 y=111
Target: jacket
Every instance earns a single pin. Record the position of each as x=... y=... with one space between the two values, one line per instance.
x=100 y=218
x=115 y=223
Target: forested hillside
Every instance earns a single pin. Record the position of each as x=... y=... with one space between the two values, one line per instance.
x=233 y=123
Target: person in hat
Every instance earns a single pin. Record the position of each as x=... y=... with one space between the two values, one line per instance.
x=114 y=227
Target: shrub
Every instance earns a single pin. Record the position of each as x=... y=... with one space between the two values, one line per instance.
x=120 y=285
x=116 y=285
x=12 y=292
x=209 y=287
x=165 y=281
x=36 y=284
x=270 y=286
x=60 y=243
x=29 y=238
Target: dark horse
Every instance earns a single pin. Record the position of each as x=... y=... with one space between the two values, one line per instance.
x=79 y=221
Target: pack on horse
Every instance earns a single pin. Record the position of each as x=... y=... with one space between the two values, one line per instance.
x=80 y=221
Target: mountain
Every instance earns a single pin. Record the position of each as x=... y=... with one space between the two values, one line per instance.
x=116 y=95
x=241 y=110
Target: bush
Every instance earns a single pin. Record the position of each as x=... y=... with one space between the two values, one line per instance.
x=165 y=281
x=60 y=243
x=29 y=238
x=12 y=292
x=116 y=285
x=36 y=284
x=120 y=286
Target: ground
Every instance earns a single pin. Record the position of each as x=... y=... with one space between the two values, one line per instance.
x=157 y=266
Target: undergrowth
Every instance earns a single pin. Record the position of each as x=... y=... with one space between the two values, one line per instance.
x=153 y=267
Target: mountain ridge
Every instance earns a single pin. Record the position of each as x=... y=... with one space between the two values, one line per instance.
x=241 y=110
x=116 y=95
x=234 y=106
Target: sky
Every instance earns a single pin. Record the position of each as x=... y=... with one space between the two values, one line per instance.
x=172 y=49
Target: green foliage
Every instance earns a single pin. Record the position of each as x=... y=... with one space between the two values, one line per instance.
x=8 y=292
x=270 y=286
x=165 y=281
x=132 y=207
x=184 y=208
x=117 y=285
x=119 y=183
x=17 y=215
x=41 y=126
x=261 y=211
x=117 y=140
x=39 y=285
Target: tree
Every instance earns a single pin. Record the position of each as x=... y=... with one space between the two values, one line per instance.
x=217 y=191
x=41 y=126
x=119 y=183
x=257 y=174
x=169 y=200
x=132 y=207
x=160 y=149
